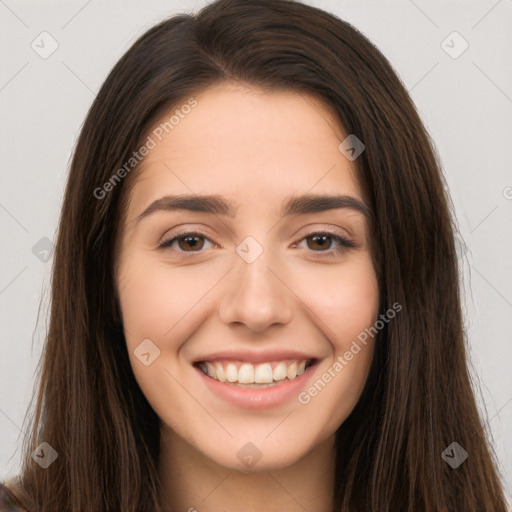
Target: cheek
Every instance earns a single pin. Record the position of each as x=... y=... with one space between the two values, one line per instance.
x=142 y=298
x=344 y=299
x=351 y=309
x=164 y=305
x=154 y=297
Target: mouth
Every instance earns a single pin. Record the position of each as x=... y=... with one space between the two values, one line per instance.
x=263 y=375
x=255 y=380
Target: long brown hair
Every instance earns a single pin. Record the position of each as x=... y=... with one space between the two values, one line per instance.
x=418 y=398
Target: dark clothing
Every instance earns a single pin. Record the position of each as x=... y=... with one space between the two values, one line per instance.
x=9 y=502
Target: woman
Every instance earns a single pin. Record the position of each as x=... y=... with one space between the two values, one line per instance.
x=255 y=290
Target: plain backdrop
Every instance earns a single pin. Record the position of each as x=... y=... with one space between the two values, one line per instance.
x=464 y=96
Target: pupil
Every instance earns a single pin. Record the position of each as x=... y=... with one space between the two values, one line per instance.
x=189 y=240
x=316 y=237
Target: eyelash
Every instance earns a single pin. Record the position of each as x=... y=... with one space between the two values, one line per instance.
x=345 y=244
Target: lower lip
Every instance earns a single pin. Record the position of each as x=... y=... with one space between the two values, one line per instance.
x=252 y=398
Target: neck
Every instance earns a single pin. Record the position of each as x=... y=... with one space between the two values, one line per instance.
x=191 y=482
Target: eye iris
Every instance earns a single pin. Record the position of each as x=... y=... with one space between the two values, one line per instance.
x=316 y=238
x=191 y=241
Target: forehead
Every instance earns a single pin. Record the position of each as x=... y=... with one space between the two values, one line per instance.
x=249 y=145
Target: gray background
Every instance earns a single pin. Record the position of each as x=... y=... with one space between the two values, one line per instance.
x=465 y=102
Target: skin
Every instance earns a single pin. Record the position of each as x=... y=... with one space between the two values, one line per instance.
x=246 y=144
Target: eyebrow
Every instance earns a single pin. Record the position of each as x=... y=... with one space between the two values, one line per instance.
x=217 y=205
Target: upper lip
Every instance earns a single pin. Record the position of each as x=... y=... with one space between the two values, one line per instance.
x=255 y=356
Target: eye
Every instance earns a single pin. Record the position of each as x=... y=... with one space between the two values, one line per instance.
x=186 y=240
x=321 y=242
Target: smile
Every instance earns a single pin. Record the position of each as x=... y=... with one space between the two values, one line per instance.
x=251 y=375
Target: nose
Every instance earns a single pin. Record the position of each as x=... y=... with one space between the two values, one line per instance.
x=256 y=295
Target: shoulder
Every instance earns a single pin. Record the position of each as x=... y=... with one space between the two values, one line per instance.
x=9 y=501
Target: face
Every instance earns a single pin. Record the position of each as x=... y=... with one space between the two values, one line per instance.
x=241 y=310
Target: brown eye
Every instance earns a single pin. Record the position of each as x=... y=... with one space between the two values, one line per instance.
x=320 y=241
x=327 y=244
x=191 y=241
x=185 y=243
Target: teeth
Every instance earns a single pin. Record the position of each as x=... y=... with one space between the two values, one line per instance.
x=252 y=375
x=221 y=374
x=263 y=374
x=210 y=370
x=291 y=371
x=231 y=373
x=246 y=374
x=280 y=371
